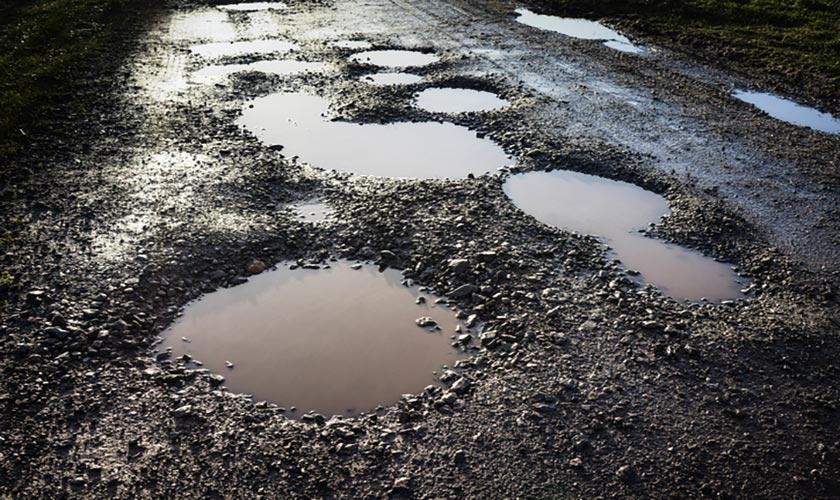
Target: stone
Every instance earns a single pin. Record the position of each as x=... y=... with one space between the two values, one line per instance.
x=459 y=266
x=460 y=457
x=460 y=386
x=255 y=267
x=463 y=291
x=387 y=256
x=425 y=322
x=182 y=411
x=626 y=474
x=216 y=379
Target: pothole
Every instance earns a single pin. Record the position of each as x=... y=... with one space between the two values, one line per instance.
x=454 y=100
x=222 y=49
x=281 y=67
x=791 y=112
x=297 y=122
x=313 y=211
x=578 y=28
x=351 y=44
x=391 y=78
x=616 y=211
x=395 y=58
x=253 y=6
x=341 y=340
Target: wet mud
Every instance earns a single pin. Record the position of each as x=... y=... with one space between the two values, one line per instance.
x=583 y=382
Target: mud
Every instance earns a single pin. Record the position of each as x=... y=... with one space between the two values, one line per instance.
x=585 y=384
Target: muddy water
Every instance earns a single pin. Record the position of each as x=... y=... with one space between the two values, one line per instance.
x=253 y=6
x=578 y=28
x=280 y=67
x=394 y=58
x=402 y=150
x=221 y=49
x=789 y=111
x=336 y=341
x=616 y=211
x=452 y=100
x=391 y=78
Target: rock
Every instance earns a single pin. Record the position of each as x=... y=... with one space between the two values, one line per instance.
x=626 y=474
x=57 y=332
x=425 y=322
x=460 y=386
x=356 y=266
x=58 y=320
x=588 y=326
x=465 y=338
x=463 y=291
x=119 y=326
x=652 y=325
x=255 y=267
x=487 y=256
x=216 y=275
x=460 y=457
x=216 y=379
x=459 y=266
x=182 y=411
x=448 y=398
x=402 y=485
x=472 y=319
x=366 y=252
x=387 y=256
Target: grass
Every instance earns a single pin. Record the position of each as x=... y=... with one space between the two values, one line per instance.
x=795 y=42
x=47 y=47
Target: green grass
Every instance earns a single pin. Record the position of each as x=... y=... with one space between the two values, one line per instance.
x=46 y=48
x=796 y=42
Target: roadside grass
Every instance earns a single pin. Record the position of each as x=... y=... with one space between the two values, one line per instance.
x=47 y=47
x=796 y=42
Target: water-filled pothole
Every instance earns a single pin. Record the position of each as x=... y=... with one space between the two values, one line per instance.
x=403 y=149
x=253 y=6
x=578 y=28
x=616 y=211
x=313 y=211
x=351 y=44
x=334 y=341
x=395 y=58
x=221 y=49
x=452 y=100
x=791 y=112
x=391 y=78
x=281 y=67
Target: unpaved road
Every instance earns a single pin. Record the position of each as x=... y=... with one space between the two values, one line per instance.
x=593 y=386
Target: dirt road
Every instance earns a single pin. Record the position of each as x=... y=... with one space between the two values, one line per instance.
x=593 y=386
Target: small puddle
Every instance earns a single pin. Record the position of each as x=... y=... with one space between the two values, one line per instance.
x=313 y=211
x=616 y=211
x=282 y=67
x=394 y=58
x=399 y=150
x=241 y=48
x=578 y=28
x=351 y=44
x=391 y=78
x=451 y=100
x=789 y=111
x=333 y=341
x=253 y=6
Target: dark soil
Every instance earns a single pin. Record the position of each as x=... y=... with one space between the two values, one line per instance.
x=582 y=383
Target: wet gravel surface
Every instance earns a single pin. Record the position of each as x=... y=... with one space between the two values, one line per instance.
x=582 y=383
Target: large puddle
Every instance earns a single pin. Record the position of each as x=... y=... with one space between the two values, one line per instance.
x=391 y=78
x=279 y=67
x=222 y=49
x=789 y=111
x=297 y=122
x=333 y=341
x=394 y=58
x=578 y=28
x=452 y=100
x=616 y=211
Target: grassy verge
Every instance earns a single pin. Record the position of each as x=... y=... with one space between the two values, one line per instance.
x=47 y=49
x=793 y=44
